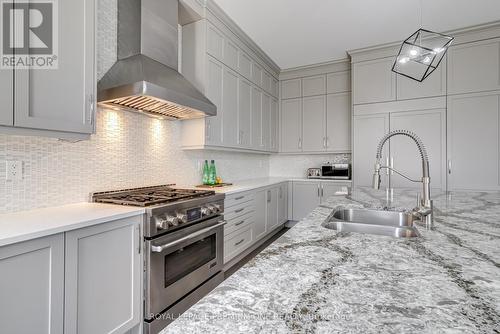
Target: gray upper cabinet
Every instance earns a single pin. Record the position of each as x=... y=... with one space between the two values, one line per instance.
x=32 y=283
x=257 y=74
x=266 y=82
x=266 y=121
x=338 y=122
x=291 y=88
x=367 y=131
x=274 y=125
x=473 y=141
x=474 y=67
x=245 y=113
x=291 y=125
x=215 y=42
x=373 y=81
x=230 y=136
x=434 y=85
x=230 y=54
x=314 y=85
x=313 y=123
x=338 y=82
x=214 y=88
x=245 y=65
x=256 y=118
x=7 y=97
x=103 y=278
x=62 y=99
x=430 y=126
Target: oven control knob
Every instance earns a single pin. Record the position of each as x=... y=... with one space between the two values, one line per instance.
x=161 y=223
x=216 y=208
x=172 y=221
x=205 y=211
x=182 y=217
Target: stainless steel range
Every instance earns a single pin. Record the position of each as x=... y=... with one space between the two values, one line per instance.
x=183 y=247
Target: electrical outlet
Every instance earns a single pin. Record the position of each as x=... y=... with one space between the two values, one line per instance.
x=14 y=170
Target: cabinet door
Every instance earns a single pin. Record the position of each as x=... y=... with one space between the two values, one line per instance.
x=291 y=125
x=7 y=97
x=306 y=197
x=283 y=203
x=266 y=121
x=367 y=132
x=215 y=73
x=62 y=99
x=32 y=286
x=256 y=118
x=215 y=42
x=274 y=87
x=103 y=278
x=266 y=82
x=257 y=74
x=338 y=122
x=291 y=88
x=313 y=124
x=373 y=81
x=260 y=225
x=245 y=113
x=272 y=208
x=474 y=67
x=245 y=65
x=329 y=189
x=473 y=142
x=274 y=125
x=434 y=85
x=314 y=85
x=230 y=54
x=338 y=82
x=430 y=126
x=230 y=108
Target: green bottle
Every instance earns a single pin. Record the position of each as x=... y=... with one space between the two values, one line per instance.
x=212 y=173
x=206 y=172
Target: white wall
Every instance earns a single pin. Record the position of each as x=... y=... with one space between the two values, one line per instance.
x=128 y=150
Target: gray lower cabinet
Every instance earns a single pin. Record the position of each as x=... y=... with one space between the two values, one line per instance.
x=473 y=141
x=32 y=286
x=260 y=227
x=283 y=203
x=306 y=197
x=7 y=97
x=272 y=209
x=103 y=278
x=62 y=99
x=367 y=132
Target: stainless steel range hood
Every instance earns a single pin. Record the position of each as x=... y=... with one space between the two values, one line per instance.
x=145 y=77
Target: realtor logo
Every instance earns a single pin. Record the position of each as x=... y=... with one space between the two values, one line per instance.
x=29 y=34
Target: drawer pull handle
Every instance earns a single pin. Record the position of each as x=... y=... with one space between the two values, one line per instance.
x=239 y=210
x=238 y=198
x=239 y=242
x=238 y=224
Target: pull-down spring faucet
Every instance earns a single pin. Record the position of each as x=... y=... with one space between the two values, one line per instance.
x=424 y=207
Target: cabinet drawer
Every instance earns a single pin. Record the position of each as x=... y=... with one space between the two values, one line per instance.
x=238 y=210
x=237 y=243
x=239 y=223
x=236 y=199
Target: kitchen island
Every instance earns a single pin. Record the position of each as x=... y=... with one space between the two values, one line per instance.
x=317 y=280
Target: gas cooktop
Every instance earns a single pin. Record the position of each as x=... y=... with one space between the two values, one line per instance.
x=148 y=196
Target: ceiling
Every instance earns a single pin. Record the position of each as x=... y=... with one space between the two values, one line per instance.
x=302 y=32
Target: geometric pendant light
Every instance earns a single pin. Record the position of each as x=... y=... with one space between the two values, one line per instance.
x=420 y=54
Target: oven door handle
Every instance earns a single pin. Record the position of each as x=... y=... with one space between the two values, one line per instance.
x=161 y=248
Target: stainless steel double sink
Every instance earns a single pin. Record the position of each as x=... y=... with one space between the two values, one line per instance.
x=380 y=222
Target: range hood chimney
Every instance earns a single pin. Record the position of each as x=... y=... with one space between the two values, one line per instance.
x=145 y=77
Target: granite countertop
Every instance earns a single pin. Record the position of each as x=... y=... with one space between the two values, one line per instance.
x=316 y=280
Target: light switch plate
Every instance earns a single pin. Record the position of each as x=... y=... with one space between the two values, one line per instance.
x=14 y=170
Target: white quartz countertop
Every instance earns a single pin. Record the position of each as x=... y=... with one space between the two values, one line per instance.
x=246 y=185
x=26 y=225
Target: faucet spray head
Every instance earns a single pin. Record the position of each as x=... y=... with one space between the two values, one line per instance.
x=376 y=176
